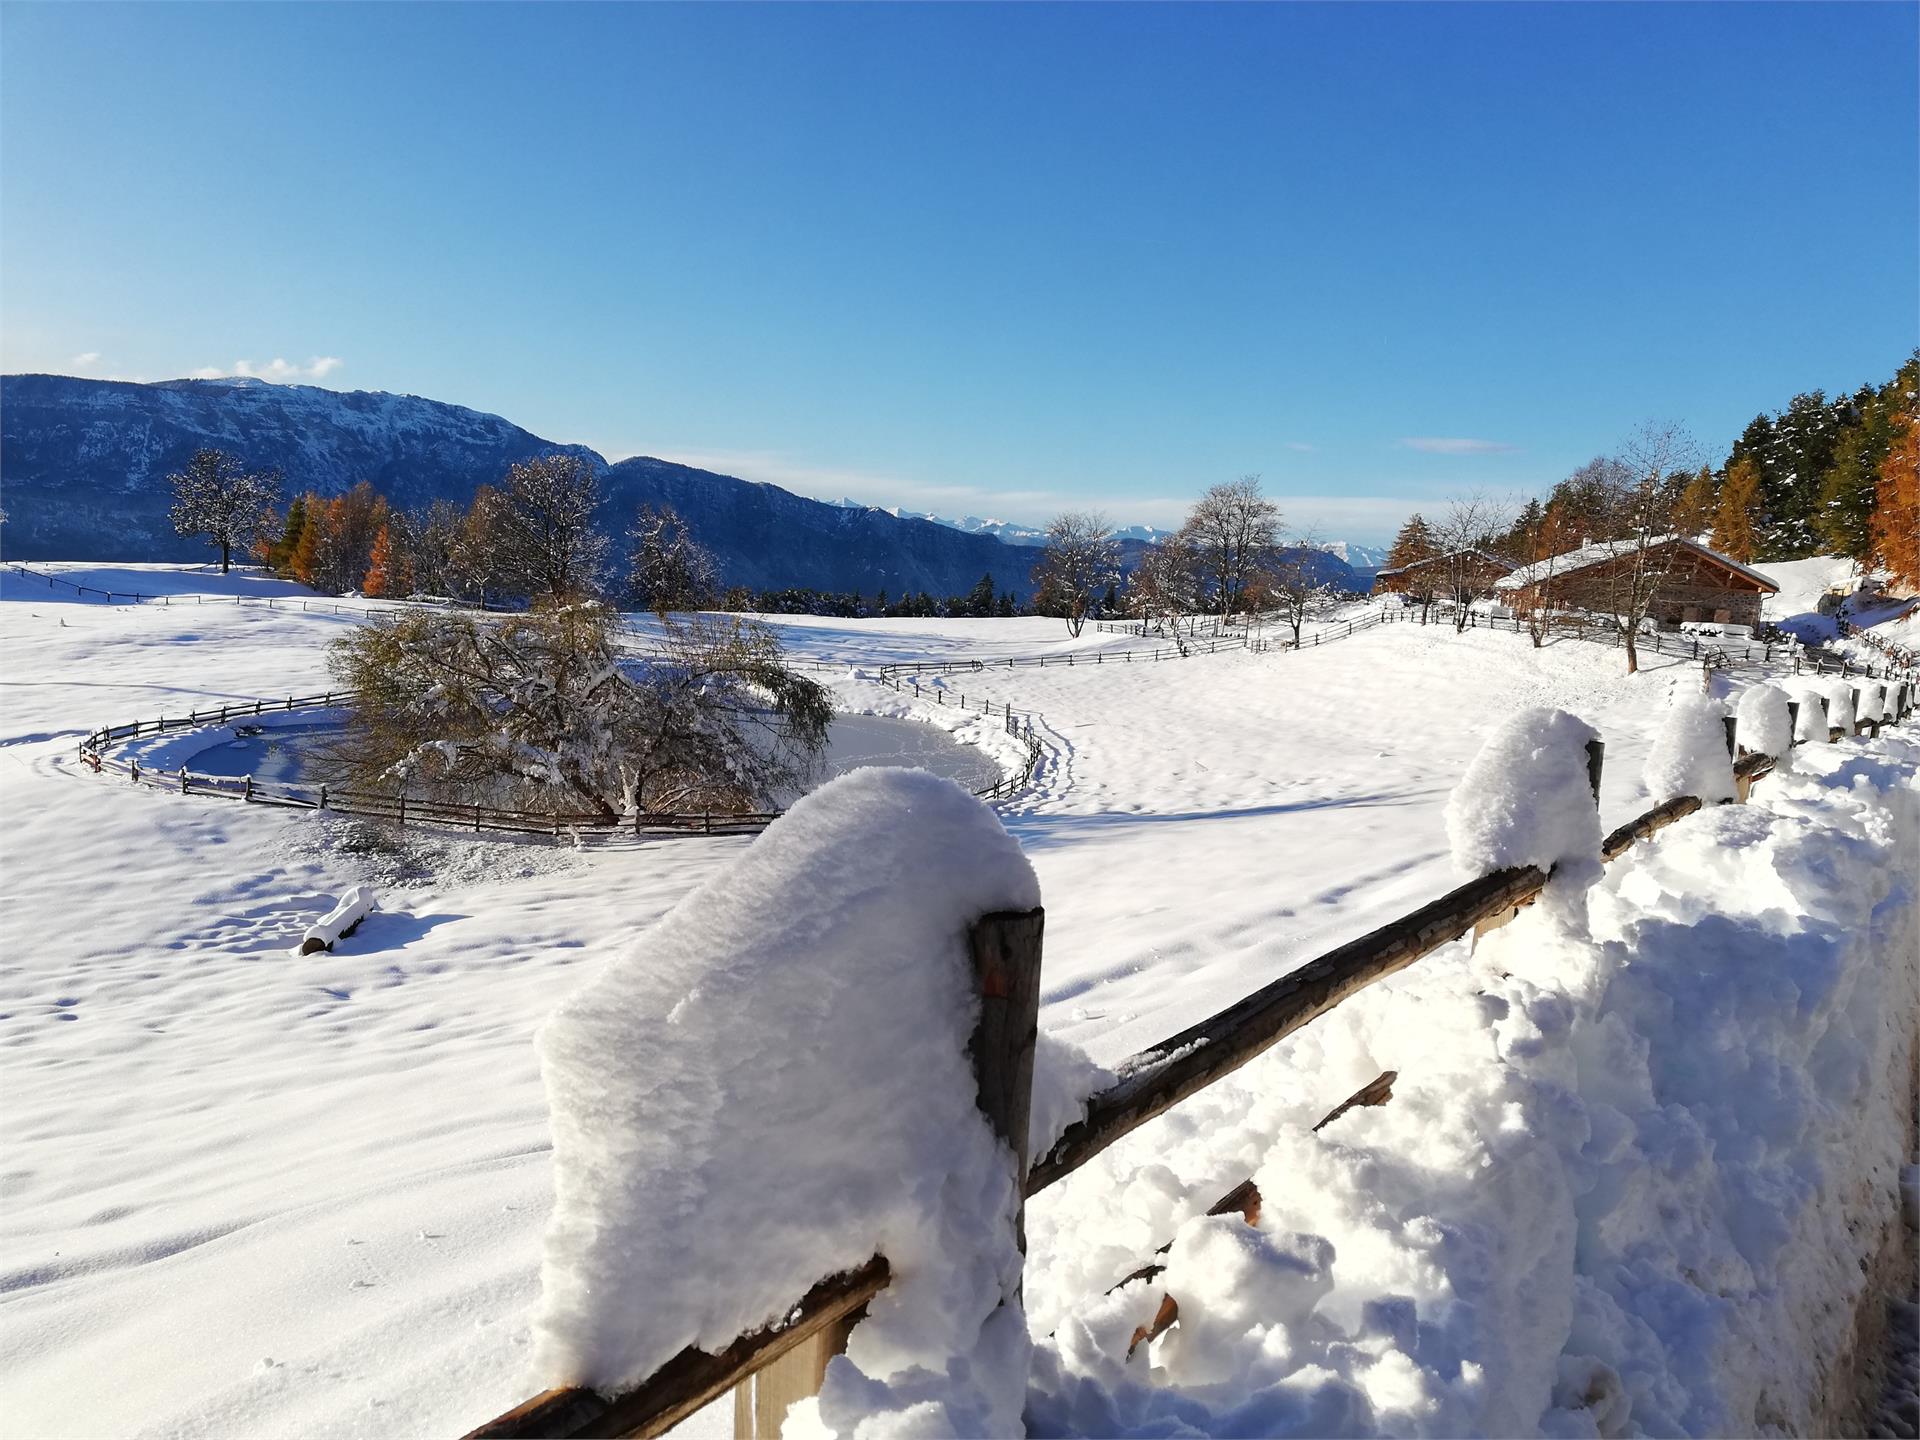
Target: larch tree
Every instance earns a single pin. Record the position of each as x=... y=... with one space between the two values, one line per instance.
x=1738 y=521
x=216 y=497
x=1414 y=543
x=1232 y=530
x=1081 y=558
x=1896 y=517
x=1698 y=505
x=544 y=532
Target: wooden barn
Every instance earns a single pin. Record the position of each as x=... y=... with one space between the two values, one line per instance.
x=1458 y=575
x=1692 y=585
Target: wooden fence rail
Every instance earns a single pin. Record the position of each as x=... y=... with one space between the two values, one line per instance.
x=1150 y=1083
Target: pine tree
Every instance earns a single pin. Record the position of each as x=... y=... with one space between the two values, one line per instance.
x=280 y=555
x=979 y=600
x=1739 y=523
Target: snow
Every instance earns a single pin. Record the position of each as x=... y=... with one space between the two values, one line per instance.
x=1619 y=1188
x=1527 y=799
x=1690 y=756
x=735 y=1115
x=1869 y=700
x=1764 y=724
x=279 y=1195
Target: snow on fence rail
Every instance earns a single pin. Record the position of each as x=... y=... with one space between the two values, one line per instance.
x=769 y=1369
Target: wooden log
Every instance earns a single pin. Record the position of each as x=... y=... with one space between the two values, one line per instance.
x=1160 y=1077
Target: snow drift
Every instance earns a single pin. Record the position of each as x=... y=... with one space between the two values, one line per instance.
x=1627 y=1183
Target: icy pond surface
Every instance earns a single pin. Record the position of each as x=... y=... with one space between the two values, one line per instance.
x=276 y=752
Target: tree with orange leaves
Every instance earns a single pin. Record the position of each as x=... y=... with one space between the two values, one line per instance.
x=1895 y=529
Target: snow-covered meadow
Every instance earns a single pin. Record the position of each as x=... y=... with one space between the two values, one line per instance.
x=274 y=1194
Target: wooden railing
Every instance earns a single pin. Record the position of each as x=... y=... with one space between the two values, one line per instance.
x=1150 y=1083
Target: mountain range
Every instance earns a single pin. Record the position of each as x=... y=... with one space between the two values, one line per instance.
x=84 y=466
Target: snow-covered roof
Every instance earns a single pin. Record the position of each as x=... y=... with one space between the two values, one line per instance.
x=1604 y=550
x=1502 y=561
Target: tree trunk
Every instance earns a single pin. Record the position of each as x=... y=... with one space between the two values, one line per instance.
x=226 y=554
x=1633 y=655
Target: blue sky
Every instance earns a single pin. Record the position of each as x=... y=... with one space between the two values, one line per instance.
x=986 y=259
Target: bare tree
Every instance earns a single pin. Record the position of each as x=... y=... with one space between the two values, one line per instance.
x=541 y=710
x=1298 y=584
x=217 y=497
x=667 y=568
x=1466 y=535
x=1232 y=530
x=1639 y=509
x=1539 y=558
x=1080 y=561
x=1165 y=588
x=544 y=534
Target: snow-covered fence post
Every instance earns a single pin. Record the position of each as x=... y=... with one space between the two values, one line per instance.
x=1793 y=721
x=1005 y=948
x=1733 y=748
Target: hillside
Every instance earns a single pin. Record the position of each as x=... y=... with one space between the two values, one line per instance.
x=85 y=462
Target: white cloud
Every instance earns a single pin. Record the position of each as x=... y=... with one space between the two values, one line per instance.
x=85 y=359
x=1446 y=445
x=280 y=372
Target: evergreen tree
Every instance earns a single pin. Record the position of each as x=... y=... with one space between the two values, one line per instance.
x=979 y=600
x=1739 y=523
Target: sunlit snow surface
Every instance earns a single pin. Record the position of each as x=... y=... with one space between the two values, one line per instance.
x=271 y=1195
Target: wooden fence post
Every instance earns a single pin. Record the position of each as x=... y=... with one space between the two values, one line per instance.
x=1731 y=724
x=1596 y=764
x=1793 y=723
x=1005 y=947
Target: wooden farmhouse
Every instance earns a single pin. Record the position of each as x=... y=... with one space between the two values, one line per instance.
x=1691 y=585
x=1461 y=575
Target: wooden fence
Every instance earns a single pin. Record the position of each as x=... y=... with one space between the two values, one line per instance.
x=768 y=1369
x=96 y=752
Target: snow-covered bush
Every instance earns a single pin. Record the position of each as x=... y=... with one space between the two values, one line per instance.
x=1689 y=755
x=1764 y=725
x=1527 y=800
x=771 y=1087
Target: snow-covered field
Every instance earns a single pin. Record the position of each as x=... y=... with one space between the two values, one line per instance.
x=248 y=1192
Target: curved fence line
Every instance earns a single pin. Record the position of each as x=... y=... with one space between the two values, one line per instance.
x=96 y=749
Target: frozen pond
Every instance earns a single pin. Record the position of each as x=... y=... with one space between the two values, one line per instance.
x=277 y=753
